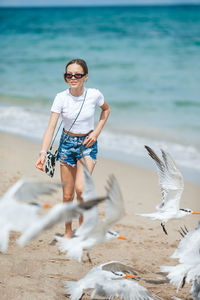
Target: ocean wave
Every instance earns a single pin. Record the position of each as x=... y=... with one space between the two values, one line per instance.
x=133 y=146
x=22 y=121
x=27 y=122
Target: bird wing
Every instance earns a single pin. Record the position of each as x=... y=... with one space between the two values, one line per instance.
x=195 y=290
x=188 y=250
x=117 y=266
x=123 y=288
x=18 y=216
x=170 y=180
x=4 y=237
x=63 y=212
x=114 y=211
x=89 y=191
x=15 y=216
x=28 y=190
x=114 y=204
x=194 y=275
x=90 y=218
x=175 y=273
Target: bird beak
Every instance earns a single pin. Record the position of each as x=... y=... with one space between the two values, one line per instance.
x=129 y=276
x=195 y=213
x=122 y=238
x=46 y=205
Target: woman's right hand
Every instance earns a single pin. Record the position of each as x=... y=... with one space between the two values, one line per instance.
x=48 y=135
x=40 y=162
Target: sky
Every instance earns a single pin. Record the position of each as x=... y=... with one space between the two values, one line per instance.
x=91 y=2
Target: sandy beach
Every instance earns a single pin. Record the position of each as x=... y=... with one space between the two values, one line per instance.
x=38 y=270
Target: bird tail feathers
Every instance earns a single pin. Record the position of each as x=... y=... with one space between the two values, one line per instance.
x=63 y=243
x=75 y=253
x=74 y=289
x=175 y=274
x=4 y=238
x=152 y=216
x=71 y=246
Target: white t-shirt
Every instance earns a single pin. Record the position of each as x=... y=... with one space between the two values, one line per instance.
x=69 y=106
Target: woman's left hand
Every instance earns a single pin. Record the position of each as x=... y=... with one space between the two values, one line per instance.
x=90 y=139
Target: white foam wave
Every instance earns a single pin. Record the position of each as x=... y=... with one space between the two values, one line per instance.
x=128 y=144
x=22 y=121
x=27 y=122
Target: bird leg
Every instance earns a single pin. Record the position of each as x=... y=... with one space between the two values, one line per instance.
x=184 y=231
x=164 y=229
x=181 y=233
x=82 y=296
x=183 y=282
x=89 y=258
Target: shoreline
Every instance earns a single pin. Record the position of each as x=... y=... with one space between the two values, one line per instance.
x=144 y=162
x=38 y=270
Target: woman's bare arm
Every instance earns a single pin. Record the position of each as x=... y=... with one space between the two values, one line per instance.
x=47 y=138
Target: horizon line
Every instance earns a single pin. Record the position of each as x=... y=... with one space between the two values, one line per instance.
x=100 y=5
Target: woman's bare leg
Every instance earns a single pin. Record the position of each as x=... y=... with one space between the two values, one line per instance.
x=79 y=182
x=68 y=175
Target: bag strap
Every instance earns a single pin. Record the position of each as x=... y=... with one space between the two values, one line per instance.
x=55 y=136
x=71 y=125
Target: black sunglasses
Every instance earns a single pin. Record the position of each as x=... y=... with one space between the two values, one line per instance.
x=77 y=76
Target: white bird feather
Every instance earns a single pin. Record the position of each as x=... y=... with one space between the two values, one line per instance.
x=108 y=280
x=172 y=186
x=188 y=269
x=63 y=212
x=94 y=231
x=19 y=208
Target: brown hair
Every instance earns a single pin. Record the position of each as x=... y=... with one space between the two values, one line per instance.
x=79 y=62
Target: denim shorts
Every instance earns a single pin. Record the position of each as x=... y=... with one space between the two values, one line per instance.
x=69 y=151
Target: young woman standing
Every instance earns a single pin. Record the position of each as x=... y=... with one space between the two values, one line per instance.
x=82 y=135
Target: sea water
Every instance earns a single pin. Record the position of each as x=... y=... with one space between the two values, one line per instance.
x=144 y=59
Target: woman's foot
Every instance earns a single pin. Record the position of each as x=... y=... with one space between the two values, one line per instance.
x=68 y=235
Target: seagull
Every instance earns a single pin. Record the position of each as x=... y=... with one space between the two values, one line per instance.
x=62 y=212
x=109 y=280
x=94 y=231
x=19 y=208
x=188 y=269
x=172 y=185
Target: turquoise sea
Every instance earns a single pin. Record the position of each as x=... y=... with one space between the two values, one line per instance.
x=144 y=59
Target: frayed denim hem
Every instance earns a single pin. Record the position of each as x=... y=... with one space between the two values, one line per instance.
x=88 y=155
x=63 y=163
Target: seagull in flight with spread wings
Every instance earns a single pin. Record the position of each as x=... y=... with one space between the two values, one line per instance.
x=109 y=280
x=62 y=212
x=94 y=231
x=188 y=269
x=19 y=208
x=172 y=185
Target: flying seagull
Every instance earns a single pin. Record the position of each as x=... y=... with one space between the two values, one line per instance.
x=62 y=212
x=172 y=185
x=188 y=269
x=109 y=280
x=19 y=208
x=93 y=230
